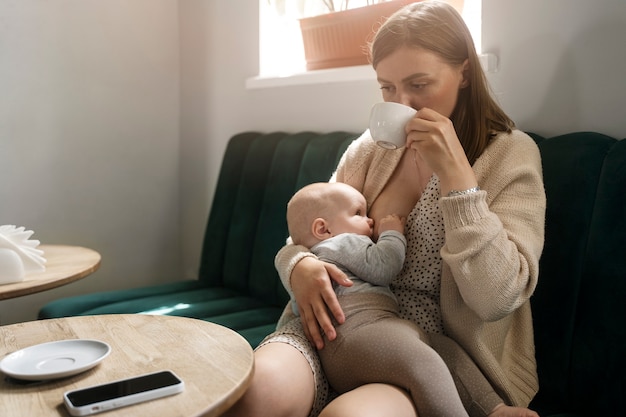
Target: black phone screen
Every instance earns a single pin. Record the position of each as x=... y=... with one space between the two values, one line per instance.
x=122 y=388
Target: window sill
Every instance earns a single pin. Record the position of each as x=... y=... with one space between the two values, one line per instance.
x=489 y=63
x=331 y=75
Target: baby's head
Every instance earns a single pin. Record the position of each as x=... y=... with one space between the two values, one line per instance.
x=322 y=210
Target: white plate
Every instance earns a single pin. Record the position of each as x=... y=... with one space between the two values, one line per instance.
x=55 y=359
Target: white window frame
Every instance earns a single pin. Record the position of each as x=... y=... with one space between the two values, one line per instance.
x=279 y=38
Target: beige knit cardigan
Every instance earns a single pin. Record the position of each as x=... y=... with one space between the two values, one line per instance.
x=493 y=241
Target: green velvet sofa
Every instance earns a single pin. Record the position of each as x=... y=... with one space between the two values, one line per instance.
x=579 y=308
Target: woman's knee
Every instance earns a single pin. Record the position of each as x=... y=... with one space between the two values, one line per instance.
x=284 y=367
x=282 y=384
x=372 y=400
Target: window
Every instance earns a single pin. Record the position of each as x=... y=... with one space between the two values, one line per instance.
x=281 y=51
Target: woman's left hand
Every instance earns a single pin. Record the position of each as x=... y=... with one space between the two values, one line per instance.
x=434 y=138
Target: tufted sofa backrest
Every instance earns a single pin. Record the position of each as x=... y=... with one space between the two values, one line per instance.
x=248 y=227
x=579 y=306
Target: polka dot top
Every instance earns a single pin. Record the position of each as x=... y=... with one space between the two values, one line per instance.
x=418 y=284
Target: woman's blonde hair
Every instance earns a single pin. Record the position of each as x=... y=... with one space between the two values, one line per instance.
x=437 y=27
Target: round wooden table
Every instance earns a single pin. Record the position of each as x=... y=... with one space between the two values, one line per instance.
x=64 y=264
x=215 y=363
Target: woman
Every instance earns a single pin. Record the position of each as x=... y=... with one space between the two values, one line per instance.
x=470 y=187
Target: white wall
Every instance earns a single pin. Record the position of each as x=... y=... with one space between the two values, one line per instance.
x=563 y=63
x=91 y=135
x=89 y=142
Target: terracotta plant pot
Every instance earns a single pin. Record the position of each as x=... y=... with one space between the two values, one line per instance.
x=340 y=39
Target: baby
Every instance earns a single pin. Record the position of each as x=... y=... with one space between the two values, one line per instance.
x=373 y=345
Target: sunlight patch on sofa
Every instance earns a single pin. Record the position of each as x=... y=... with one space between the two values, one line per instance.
x=166 y=310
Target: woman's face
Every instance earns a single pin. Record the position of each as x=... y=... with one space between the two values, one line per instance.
x=420 y=78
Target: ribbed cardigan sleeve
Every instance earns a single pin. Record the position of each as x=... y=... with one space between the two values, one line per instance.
x=494 y=238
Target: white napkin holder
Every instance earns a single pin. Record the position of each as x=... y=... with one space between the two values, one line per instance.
x=18 y=254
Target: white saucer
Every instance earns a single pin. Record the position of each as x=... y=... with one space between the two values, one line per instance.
x=54 y=359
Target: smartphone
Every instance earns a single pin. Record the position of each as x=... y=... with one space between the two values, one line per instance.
x=116 y=394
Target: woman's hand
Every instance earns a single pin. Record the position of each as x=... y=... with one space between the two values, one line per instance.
x=314 y=293
x=434 y=139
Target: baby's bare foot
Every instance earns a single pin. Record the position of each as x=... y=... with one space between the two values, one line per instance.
x=503 y=410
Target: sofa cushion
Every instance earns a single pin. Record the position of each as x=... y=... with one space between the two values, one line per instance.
x=578 y=223
x=598 y=364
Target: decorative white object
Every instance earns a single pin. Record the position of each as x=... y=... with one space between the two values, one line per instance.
x=18 y=254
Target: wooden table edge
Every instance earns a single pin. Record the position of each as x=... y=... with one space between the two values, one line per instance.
x=26 y=287
x=221 y=407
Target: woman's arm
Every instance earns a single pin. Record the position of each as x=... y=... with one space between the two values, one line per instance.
x=286 y=259
x=494 y=237
x=308 y=281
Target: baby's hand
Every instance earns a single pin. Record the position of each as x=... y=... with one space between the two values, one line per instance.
x=391 y=222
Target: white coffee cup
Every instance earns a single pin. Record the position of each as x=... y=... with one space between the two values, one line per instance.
x=387 y=123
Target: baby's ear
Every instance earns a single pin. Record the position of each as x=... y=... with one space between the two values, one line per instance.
x=319 y=229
